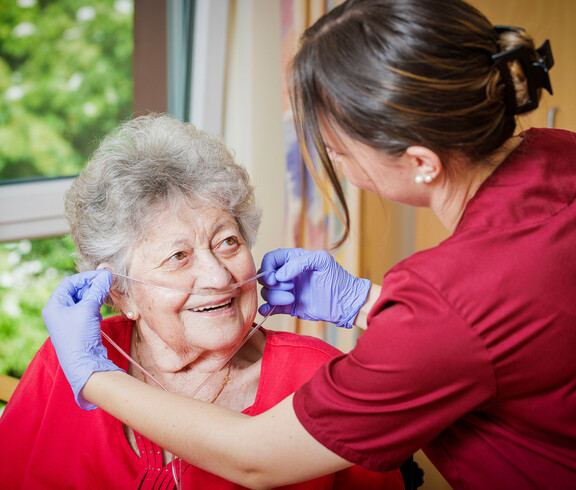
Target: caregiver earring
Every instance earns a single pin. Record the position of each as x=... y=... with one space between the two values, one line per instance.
x=130 y=315
x=423 y=178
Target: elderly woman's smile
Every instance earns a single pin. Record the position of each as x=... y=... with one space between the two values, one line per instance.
x=208 y=308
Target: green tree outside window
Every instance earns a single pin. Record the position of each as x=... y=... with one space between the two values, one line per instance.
x=65 y=82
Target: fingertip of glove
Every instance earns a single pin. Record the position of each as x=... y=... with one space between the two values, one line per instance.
x=344 y=324
x=107 y=275
x=264 y=309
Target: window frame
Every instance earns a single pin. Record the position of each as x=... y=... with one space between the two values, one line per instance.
x=33 y=209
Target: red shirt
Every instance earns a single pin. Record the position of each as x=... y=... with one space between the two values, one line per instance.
x=470 y=351
x=48 y=442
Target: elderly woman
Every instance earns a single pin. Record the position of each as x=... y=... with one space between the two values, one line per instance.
x=166 y=205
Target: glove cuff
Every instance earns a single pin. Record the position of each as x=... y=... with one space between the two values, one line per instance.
x=96 y=365
x=93 y=359
x=362 y=290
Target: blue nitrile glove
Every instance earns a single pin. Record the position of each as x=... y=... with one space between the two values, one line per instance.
x=311 y=286
x=72 y=316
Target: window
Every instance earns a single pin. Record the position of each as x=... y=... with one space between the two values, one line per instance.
x=65 y=81
x=66 y=73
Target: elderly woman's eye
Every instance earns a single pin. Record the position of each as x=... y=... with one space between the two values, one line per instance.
x=231 y=241
x=229 y=244
x=179 y=256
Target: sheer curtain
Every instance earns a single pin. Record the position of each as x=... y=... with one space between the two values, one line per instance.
x=310 y=222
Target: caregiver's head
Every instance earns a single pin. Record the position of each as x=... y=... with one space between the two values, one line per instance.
x=392 y=74
x=165 y=203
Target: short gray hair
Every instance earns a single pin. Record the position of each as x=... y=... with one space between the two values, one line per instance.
x=142 y=168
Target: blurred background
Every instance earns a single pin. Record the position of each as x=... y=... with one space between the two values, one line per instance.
x=65 y=80
x=72 y=70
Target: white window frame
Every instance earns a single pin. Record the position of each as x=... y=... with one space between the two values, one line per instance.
x=33 y=209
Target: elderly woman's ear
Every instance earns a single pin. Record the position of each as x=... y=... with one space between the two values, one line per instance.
x=121 y=301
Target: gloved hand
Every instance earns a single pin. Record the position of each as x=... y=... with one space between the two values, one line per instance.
x=311 y=286
x=72 y=316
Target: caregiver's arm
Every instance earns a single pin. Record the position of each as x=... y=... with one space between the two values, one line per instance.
x=268 y=450
x=264 y=451
x=361 y=320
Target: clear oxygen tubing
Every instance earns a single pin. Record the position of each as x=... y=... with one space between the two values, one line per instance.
x=177 y=472
x=203 y=291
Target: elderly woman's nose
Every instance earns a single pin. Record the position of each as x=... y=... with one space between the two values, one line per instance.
x=211 y=271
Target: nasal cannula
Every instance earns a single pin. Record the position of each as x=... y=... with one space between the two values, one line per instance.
x=178 y=478
x=146 y=373
x=203 y=291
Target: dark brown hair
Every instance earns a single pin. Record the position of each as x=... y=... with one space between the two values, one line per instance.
x=397 y=73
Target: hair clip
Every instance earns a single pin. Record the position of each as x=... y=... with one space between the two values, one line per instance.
x=536 y=71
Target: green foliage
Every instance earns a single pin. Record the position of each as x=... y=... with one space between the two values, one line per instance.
x=66 y=80
x=30 y=271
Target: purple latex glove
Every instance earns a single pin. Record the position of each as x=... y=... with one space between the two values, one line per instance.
x=311 y=286
x=72 y=316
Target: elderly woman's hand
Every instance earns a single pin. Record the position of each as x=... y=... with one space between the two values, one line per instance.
x=311 y=286
x=72 y=316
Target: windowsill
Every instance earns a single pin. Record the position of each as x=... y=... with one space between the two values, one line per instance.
x=33 y=209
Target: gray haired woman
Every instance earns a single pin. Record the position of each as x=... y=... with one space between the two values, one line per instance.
x=165 y=208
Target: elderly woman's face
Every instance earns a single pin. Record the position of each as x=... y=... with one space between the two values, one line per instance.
x=196 y=248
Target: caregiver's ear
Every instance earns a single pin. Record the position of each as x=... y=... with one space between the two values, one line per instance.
x=424 y=160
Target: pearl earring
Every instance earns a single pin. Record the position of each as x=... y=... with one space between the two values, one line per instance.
x=130 y=315
x=423 y=178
